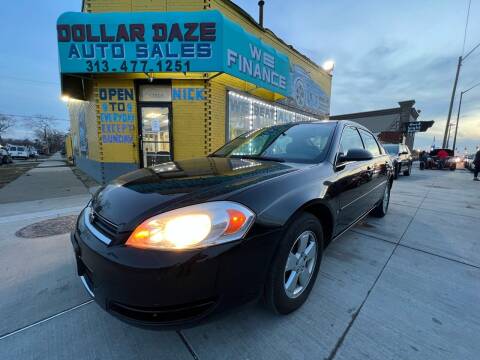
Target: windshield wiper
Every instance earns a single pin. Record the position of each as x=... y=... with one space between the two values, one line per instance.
x=256 y=157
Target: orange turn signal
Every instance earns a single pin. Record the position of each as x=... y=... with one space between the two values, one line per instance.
x=236 y=220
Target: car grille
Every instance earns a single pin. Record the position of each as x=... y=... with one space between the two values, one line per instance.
x=107 y=228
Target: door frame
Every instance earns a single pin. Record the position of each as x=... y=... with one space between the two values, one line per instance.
x=167 y=105
x=141 y=104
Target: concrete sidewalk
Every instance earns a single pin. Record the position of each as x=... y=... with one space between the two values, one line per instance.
x=403 y=287
x=50 y=179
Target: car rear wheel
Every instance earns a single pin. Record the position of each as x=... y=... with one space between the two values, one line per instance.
x=382 y=207
x=295 y=266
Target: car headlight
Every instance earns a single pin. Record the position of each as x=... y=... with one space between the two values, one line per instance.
x=193 y=227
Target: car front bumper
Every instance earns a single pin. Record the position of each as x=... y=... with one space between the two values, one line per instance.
x=165 y=288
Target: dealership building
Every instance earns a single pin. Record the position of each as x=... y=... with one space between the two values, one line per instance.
x=147 y=82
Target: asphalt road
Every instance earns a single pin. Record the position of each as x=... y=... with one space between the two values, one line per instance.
x=403 y=287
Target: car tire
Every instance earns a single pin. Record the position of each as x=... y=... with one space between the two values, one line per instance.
x=280 y=297
x=382 y=207
x=395 y=171
x=407 y=172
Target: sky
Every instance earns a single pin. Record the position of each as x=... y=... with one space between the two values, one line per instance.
x=385 y=51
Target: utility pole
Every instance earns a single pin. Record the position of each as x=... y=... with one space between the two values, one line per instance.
x=458 y=112
x=452 y=99
x=460 y=61
x=458 y=118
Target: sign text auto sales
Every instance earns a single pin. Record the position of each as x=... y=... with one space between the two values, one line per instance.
x=136 y=45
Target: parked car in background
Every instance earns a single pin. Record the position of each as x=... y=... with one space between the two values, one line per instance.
x=401 y=158
x=440 y=159
x=32 y=152
x=18 y=152
x=468 y=162
x=5 y=157
x=251 y=220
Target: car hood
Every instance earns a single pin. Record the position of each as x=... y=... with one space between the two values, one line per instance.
x=133 y=197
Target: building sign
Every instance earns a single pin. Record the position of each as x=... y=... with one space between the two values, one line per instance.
x=252 y=60
x=117 y=116
x=143 y=42
x=188 y=93
x=305 y=94
x=154 y=93
x=413 y=126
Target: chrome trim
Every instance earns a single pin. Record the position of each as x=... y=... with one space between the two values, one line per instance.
x=85 y=284
x=91 y=228
x=363 y=195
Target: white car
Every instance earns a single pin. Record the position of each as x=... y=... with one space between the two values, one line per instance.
x=5 y=157
x=18 y=152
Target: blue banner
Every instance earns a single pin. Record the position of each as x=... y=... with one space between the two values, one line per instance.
x=145 y=42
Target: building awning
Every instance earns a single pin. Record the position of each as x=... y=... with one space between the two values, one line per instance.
x=180 y=45
x=165 y=42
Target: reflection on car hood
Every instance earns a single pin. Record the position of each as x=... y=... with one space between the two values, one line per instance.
x=137 y=195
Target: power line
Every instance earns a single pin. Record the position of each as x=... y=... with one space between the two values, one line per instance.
x=35 y=117
x=466 y=26
x=29 y=80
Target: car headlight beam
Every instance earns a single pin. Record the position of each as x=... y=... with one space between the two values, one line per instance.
x=193 y=227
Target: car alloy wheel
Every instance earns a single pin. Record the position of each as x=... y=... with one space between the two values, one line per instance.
x=382 y=207
x=386 y=199
x=296 y=264
x=300 y=264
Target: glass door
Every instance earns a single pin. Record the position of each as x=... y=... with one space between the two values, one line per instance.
x=155 y=140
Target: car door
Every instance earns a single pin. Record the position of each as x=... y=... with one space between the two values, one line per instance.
x=377 y=167
x=351 y=180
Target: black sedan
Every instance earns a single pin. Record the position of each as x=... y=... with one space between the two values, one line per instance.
x=401 y=158
x=171 y=244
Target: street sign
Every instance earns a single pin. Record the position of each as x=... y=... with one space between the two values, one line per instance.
x=413 y=126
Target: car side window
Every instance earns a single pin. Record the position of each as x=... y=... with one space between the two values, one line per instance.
x=350 y=140
x=370 y=143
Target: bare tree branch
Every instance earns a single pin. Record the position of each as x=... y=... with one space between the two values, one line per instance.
x=6 y=122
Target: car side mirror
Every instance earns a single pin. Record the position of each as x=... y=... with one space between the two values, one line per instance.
x=403 y=153
x=355 y=155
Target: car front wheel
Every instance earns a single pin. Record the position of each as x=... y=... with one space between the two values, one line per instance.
x=408 y=171
x=295 y=266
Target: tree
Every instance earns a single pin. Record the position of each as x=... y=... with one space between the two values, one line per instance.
x=43 y=127
x=6 y=122
x=52 y=139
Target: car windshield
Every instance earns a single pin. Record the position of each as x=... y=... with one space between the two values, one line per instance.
x=303 y=143
x=392 y=149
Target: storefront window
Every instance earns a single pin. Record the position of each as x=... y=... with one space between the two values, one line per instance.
x=263 y=114
x=247 y=113
x=239 y=109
